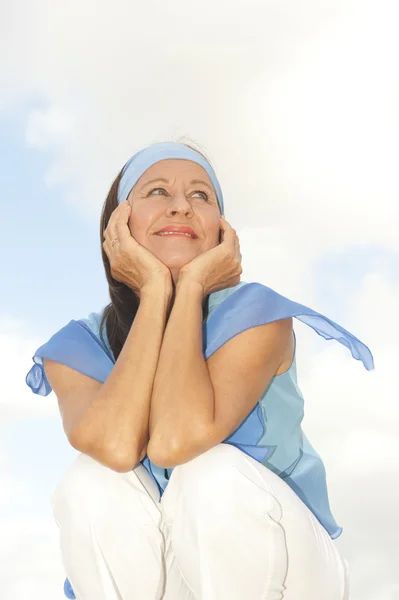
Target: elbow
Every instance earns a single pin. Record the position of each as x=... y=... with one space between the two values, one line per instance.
x=173 y=453
x=163 y=456
x=168 y=451
x=117 y=461
x=122 y=462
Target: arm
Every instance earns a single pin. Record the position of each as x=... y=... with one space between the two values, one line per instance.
x=115 y=424
x=197 y=404
x=183 y=394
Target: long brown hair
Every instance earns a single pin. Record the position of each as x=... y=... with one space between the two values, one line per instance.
x=119 y=314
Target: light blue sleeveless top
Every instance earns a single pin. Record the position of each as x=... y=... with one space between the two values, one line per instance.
x=272 y=432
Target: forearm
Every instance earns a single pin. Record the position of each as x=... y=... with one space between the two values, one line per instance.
x=117 y=421
x=182 y=402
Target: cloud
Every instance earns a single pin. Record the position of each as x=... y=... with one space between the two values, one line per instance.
x=30 y=558
x=31 y=564
x=351 y=415
x=295 y=105
x=352 y=419
x=16 y=350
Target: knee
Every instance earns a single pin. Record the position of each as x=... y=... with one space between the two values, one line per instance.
x=217 y=467
x=220 y=481
x=84 y=487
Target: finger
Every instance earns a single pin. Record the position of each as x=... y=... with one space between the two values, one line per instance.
x=225 y=225
x=238 y=244
x=118 y=226
x=119 y=212
x=229 y=234
x=233 y=281
x=106 y=248
x=122 y=230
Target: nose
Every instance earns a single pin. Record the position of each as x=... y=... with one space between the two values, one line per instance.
x=179 y=204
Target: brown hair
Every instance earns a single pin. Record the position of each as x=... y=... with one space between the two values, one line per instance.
x=119 y=314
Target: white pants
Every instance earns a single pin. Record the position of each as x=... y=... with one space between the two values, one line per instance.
x=226 y=528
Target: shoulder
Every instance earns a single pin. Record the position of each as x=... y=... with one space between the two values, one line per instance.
x=93 y=323
x=265 y=332
x=218 y=297
x=245 y=293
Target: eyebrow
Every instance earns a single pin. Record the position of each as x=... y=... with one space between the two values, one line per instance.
x=167 y=181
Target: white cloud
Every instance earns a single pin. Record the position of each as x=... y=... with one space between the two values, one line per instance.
x=31 y=564
x=296 y=105
x=17 y=401
x=30 y=558
x=47 y=128
x=352 y=419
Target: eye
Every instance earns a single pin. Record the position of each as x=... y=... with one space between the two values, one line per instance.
x=153 y=190
x=205 y=195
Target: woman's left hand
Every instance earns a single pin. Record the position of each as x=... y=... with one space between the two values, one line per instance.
x=219 y=267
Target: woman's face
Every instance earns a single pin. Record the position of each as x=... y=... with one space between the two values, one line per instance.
x=166 y=195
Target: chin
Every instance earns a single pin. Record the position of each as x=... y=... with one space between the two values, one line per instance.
x=177 y=262
x=174 y=267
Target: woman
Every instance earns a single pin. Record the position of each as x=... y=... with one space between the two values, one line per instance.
x=194 y=478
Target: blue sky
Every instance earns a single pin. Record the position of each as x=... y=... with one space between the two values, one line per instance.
x=56 y=274
x=45 y=239
x=306 y=153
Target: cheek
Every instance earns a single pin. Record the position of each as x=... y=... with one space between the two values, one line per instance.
x=135 y=230
x=139 y=223
x=214 y=232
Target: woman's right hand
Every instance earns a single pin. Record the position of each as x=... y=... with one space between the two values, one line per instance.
x=130 y=262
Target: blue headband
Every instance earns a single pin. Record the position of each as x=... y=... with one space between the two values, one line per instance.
x=144 y=159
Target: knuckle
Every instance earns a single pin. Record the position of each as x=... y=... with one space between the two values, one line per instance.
x=115 y=272
x=119 y=224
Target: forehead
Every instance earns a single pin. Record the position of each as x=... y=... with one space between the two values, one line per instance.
x=172 y=169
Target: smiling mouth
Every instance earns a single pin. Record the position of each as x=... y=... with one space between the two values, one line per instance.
x=176 y=234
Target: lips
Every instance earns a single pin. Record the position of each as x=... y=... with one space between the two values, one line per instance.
x=177 y=229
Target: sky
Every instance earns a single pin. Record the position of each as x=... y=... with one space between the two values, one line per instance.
x=297 y=106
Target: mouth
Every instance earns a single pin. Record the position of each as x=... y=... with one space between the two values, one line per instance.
x=175 y=234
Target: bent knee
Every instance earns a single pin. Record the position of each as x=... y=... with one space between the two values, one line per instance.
x=214 y=467
x=85 y=483
x=219 y=466
x=219 y=480
x=91 y=493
